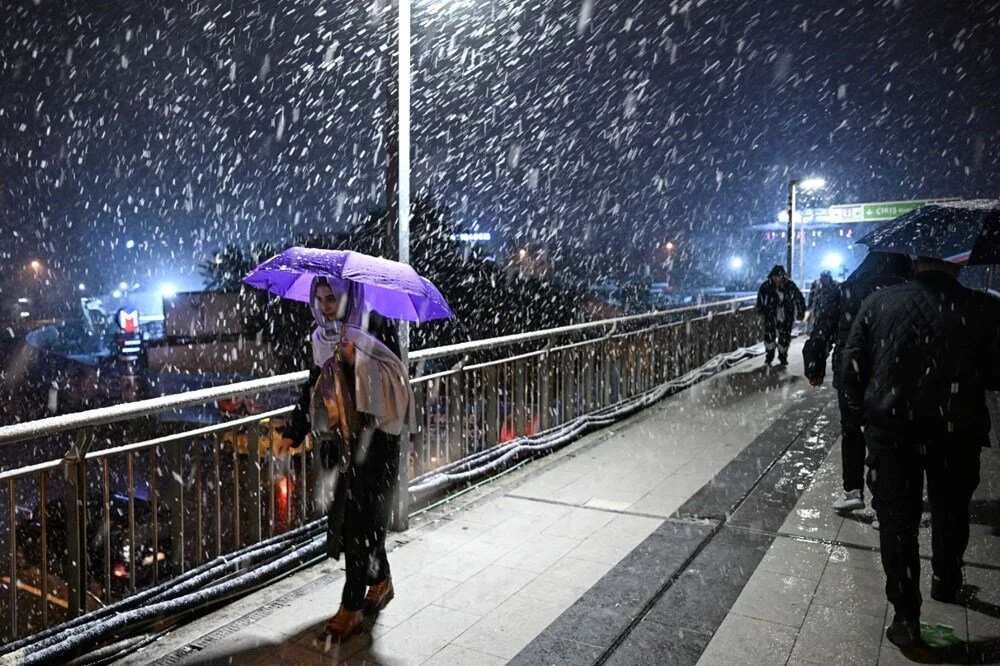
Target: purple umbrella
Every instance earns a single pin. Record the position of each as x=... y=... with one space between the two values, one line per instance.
x=392 y=289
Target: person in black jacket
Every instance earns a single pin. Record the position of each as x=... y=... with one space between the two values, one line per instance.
x=833 y=315
x=916 y=366
x=779 y=303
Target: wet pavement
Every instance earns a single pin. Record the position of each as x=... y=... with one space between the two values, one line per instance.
x=699 y=531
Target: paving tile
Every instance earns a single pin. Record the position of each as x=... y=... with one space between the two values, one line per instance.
x=539 y=554
x=984 y=649
x=486 y=590
x=702 y=596
x=305 y=613
x=610 y=504
x=775 y=598
x=247 y=645
x=654 y=643
x=412 y=557
x=857 y=531
x=451 y=534
x=289 y=653
x=580 y=524
x=851 y=589
x=510 y=626
x=519 y=528
x=612 y=542
x=422 y=636
x=684 y=484
x=796 y=557
x=569 y=573
x=836 y=636
x=950 y=615
x=453 y=655
x=556 y=652
x=984 y=607
x=749 y=641
x=658 y=502
x=857 y=558
x=413 y=594
x=465 y=562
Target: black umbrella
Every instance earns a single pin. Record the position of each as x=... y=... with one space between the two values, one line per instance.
x=957 y=231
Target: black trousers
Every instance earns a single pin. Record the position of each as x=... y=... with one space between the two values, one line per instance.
x=852 y=447
x=366 y=517
x=777 y=332
x=896 y=468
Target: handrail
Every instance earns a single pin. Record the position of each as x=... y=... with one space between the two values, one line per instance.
x=489 y=343
x=115 y=413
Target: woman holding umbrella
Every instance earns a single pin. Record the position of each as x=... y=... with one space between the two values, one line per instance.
x=357 y=402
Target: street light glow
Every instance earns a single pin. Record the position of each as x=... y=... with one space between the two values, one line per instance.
x=123 y=285
x=116 y=293
x=670 y=245
x=81 y=287
x=833 y=261
x=35 y=264
x=736 y=263
x=812 y=184
x=168 y=291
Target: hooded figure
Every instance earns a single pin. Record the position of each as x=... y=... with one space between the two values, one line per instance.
x=779 y=303
x=356 y=402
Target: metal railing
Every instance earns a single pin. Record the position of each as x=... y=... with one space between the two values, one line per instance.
x=146 y=491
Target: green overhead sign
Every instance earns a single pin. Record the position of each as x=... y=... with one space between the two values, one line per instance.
x=890 y=210
x=875 y=212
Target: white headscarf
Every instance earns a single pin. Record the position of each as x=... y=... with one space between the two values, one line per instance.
x=352 y=311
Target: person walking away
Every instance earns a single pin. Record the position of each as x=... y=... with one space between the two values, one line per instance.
x=359 y=389
x=834 y=311
x=916 y=366
x=821 y=289
x=779 y=303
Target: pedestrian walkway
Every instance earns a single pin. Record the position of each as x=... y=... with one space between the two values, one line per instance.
x=697 y=530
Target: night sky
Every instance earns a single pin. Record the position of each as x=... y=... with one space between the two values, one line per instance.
x=585 y=124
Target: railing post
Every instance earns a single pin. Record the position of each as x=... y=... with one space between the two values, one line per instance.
x=589 y=379
x=254 y=475
x=456 y=409
x=607 y=364
x=520 y=399
x=545 y=402
x=491 y=421
x=568 y=389
x=173 y=459
x=76 y=522
x=419 y=410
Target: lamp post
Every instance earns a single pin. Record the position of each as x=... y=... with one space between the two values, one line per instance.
x=793 y=186
x=397 y=181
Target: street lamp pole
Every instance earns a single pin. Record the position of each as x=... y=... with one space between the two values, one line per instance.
x=792 y=184
x=398 y=202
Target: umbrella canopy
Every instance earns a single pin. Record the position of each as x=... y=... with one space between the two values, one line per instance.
x=392 y=289
x=956 y=231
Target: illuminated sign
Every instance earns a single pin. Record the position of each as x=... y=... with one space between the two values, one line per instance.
x=473 y=236
x=128 y=321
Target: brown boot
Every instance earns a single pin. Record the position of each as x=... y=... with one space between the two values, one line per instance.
x=344 y=624
x=379 y=596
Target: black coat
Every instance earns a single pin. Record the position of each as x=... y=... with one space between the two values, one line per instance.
x=920 y=357
x=833 y=314
x=787 y=301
